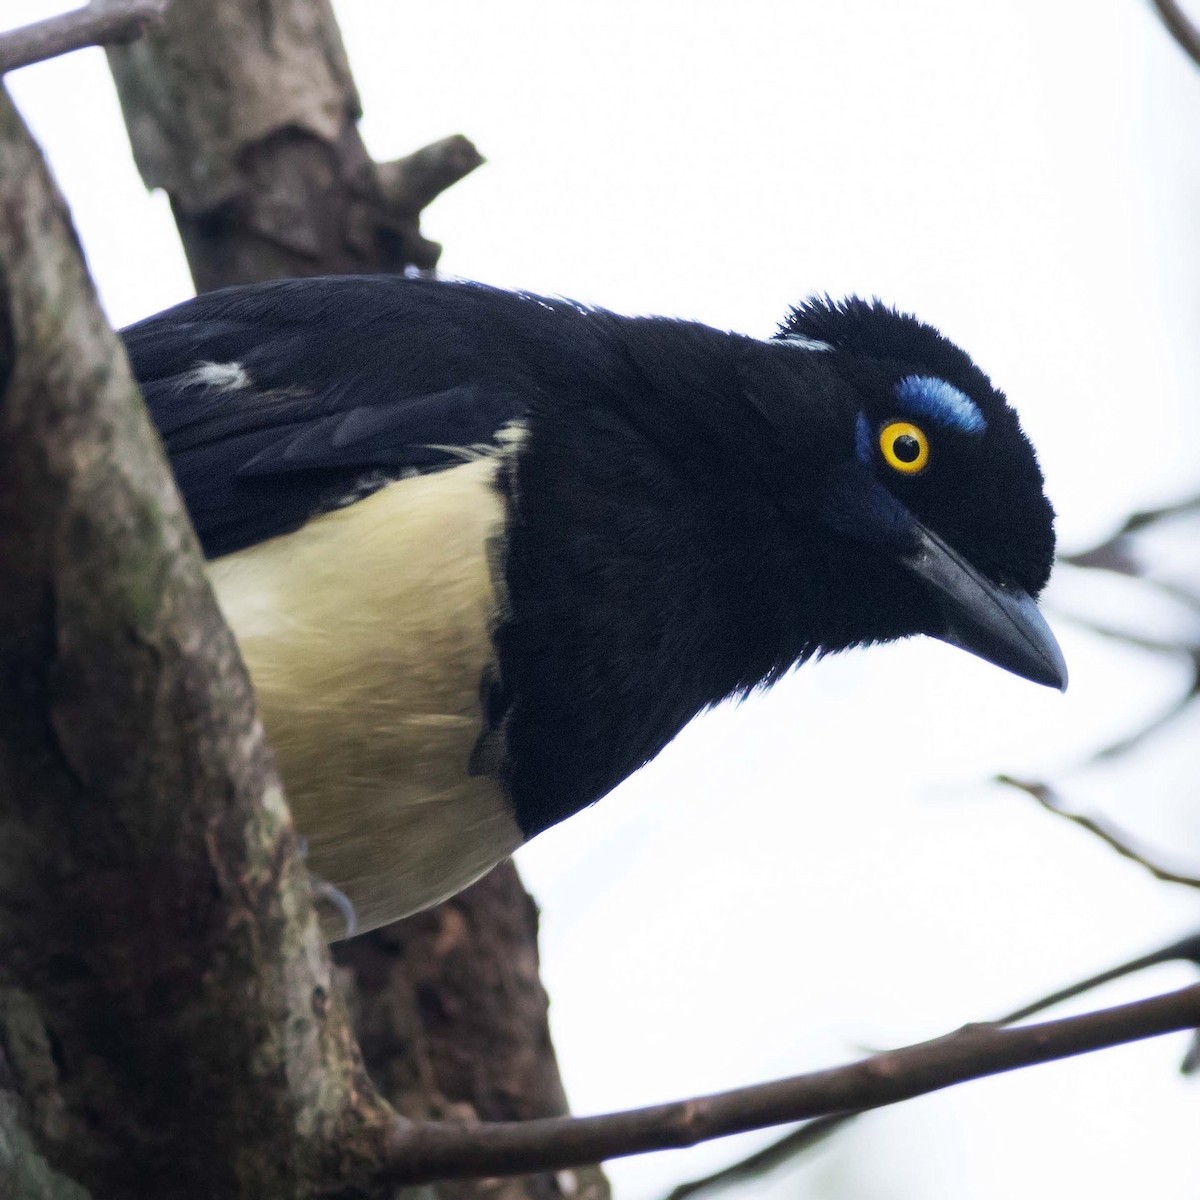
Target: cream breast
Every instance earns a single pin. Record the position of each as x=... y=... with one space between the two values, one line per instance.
x=366 y=634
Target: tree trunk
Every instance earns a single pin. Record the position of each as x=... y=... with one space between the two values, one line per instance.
x=168 y=1020
x=245 y=113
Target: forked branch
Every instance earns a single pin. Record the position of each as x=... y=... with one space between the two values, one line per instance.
x=421 y=1152
x=1180 y=27
x=101 y=23
x=1049 y=799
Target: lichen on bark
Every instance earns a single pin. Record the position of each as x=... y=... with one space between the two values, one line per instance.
x=168 y=1015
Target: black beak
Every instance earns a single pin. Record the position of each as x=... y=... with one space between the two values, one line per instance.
x=999 y=624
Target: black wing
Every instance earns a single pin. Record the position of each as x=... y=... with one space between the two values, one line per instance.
x=283 y=400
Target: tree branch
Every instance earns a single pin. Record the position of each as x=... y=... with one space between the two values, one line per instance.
x=804 y=1138
x=410 y=183
x=1185 y=950
x=246 y=115
x=420 y=1152
x=1045 y=795
x=101 y=23
x=762 y=1162
x=1181 y=29
x=1113 y=552
x=167 y=1009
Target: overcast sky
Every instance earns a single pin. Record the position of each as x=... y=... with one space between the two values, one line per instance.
x=826 y=867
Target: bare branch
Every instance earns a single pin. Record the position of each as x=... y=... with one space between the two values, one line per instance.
x=421 y=1152
x=272 y=182
x=1185 y=950
x=1051 y=802
x=101 y=23
x=813 y=1133
x=1191 y=1060
x=1153 y=645
x=1146 y=517
x=1113 y=554
x=1129 y=637
x=1181 y=29
x=410 y=183
x=762 y=1162
x=1132 y=740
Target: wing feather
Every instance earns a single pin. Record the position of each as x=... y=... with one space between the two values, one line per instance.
x=280 y=401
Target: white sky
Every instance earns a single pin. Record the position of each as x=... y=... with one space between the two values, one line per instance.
x=826 y=867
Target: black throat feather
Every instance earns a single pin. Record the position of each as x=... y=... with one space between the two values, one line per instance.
x=652 y=568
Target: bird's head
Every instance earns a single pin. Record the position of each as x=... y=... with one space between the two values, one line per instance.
x=928 y=504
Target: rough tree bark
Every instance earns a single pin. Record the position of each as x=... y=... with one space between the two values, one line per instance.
x=245 y=114
x=169 y=1024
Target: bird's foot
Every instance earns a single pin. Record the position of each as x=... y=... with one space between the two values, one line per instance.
x=324 y=892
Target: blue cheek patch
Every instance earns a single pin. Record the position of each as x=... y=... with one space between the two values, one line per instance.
x=928 y=396
x=858 y=505
x=862 y=440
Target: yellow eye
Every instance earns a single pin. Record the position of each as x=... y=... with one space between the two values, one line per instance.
x=904 y=447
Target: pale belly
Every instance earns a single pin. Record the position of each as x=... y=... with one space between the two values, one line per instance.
x=366 y=633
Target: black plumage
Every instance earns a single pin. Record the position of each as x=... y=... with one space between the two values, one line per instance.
x=352 y=381
x=688 y=513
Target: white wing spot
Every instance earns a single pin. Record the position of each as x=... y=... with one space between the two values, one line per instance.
x=798 y=342
x=229 y=377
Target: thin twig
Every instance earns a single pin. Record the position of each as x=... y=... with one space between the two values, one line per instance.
x=1050 y=801
x=1191 y=1060
x=1182 y=30
x=101 y=23
x=1113 y=552
x=1146 y=517
x=813 y=1133
x=1131 y=741
x=1119 y=559
x=424 y=1151
x=409 y=184
x=763 y=1161
x=1178 y=592
x=1179 y=649
x=1185 y=950
x=1129 y=637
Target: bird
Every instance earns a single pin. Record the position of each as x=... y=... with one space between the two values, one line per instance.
x=486 y=552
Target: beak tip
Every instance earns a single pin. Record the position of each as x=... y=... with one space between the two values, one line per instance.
x=1059 y=677
x=998 y=622
x=1045 y=665
x=1047 y=669
x=1058 y=682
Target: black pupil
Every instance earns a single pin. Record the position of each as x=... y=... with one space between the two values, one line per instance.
x=906 y=448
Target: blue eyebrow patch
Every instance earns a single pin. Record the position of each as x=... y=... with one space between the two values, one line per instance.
x=928 y=396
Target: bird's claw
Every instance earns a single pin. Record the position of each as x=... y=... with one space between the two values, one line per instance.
x=324 y=891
